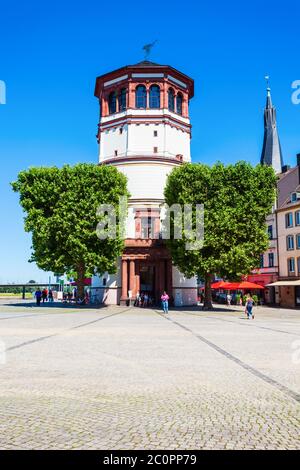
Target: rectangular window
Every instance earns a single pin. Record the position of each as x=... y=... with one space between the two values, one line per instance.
x=289 y=220
x=155 y=150
x=261 y=261
x=270 y=231
x=298 y=266
x=297 y=218
x=290 y=242
x=291 y=265
x=116 y=153
x=271 y=260
x=147 y=227
x=155 y=133
x=298 y=241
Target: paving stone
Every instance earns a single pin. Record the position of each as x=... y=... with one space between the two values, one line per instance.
x=117 y=378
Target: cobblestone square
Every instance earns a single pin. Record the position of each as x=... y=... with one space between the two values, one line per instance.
x=130 y=378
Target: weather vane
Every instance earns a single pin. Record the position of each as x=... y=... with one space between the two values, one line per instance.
x=147 y=49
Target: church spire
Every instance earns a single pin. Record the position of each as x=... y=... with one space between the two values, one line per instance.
x=271 y=152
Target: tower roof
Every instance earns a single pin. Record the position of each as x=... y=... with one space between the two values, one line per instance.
x=271 y=152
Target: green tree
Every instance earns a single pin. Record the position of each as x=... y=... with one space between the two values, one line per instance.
x=61 y=213
x=237 y=198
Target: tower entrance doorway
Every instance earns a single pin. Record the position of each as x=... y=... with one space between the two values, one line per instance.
x=145 y=267
x=147 y=278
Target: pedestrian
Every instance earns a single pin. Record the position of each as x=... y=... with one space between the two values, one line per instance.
x=38 y=296
x=44 y=295
x=145 y=304
x=50 y=295
x=249 y=307
x=165 y=302
x=229 y=298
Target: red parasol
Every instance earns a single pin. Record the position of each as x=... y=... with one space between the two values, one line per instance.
x=249 y=285
x=244 y=285
x=219 y=285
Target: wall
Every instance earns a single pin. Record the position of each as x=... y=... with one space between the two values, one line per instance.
x=287 y=296
x=139 y=139
x=282 y=234
x=184 y=289
x=110 y=293
x=112 y=140
x=146 y=180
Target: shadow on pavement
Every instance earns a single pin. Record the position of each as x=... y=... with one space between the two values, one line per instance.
x=31 y=304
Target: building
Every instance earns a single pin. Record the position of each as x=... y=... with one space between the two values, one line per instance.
x=288 y=229
x=268 y=271
x=145 y=131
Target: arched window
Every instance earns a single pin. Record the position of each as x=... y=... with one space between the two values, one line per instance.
x=154 y=97
x=140 y=97
x=171 y=104
x=112 y=103
x=122 y=100
x=179 y=103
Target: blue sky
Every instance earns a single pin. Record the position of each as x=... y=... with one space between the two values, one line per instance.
x=51 y=53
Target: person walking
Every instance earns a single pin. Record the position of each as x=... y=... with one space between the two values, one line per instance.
x=38 y=296
x=165 y=302
x=50 y=295
x=44 y=295
x=229 y=298
x=249 y=307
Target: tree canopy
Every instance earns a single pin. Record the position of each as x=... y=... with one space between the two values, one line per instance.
x=61 y=213
x=237 y=199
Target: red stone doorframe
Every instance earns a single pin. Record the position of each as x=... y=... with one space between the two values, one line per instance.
x=150 y=252
x=131 y=277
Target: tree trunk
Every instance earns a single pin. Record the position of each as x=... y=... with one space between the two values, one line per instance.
x=207 y=293
x=80 y=281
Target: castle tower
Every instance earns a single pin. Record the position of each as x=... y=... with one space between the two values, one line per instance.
x=271 y=152
x=145 y=131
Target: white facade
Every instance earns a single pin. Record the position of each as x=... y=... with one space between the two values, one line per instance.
x=146 y=179
x=151 y=138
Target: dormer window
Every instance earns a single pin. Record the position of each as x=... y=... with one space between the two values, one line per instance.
x=295 y=196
